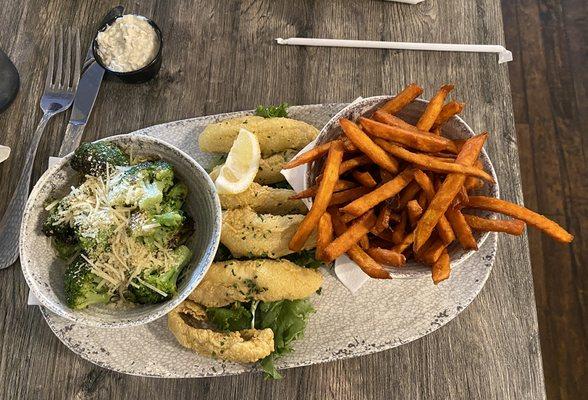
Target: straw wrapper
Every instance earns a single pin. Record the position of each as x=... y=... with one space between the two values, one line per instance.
x=503 y=54
x=350 y=275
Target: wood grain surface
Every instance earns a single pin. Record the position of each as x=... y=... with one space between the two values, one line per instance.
x=549 y=40
x=220 y=56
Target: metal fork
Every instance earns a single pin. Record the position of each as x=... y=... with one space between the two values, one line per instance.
x=60 y=88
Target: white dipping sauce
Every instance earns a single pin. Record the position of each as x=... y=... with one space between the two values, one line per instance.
x=129 y=44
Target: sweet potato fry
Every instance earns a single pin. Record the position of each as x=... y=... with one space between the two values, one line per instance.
x=414 y=211
x=432 y=253
x=386 y=235
x=403 y=98
x=309 y=156
x=349 y=146
x=404 y=243
x=378 y=195
x=408 y=194
x=352 y=235
x=347 y=218
x=462 y=197
x=433 y=109
x=449 y=110
x=441 y=269
x=447 y=191
x=422 y=199
x=389 y=119
x=311 y=191
x=322 y=199
x=530 y=217
x=443 y=227
x=346 y=196
x=367 y=146
x=512 y=227
x=324 y=234
x=461 y=228
x=352 y=163
x=360 y=257
x=364 y=178
x=400 y=229
x=417 y=140
x=364 y=242
x=383 y=221
x=473 y=183
x=386 y=257
x=432 y=163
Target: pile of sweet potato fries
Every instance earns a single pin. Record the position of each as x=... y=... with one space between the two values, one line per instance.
x=390 y=190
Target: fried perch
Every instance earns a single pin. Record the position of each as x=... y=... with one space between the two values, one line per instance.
x=187 y=321
x=264 y=280
x=248 y=234
x=274 y=134
x=269 y=168
x=264 y=200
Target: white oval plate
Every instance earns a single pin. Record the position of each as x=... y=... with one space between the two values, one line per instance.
x=382 y=315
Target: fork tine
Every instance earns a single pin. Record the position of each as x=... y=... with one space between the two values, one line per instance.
x=67 y=80
x=49 y=79
x=77 y=65
x=59 y=71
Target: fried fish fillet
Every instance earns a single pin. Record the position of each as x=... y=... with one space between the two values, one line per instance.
x=187 y=323
x=265 y=280
x=274 y=134
x=248 y=234
x=269 y=168
x=264 y=200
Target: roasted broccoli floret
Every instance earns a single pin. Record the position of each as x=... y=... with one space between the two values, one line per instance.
x=93 y=158
x=165 y=282
x=142 y=185
x=81 y=286
x=64 y=236
x=99 y=241
x=174 y=199
x=160 y=228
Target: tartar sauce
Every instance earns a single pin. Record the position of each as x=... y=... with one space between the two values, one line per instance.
x=129 y=44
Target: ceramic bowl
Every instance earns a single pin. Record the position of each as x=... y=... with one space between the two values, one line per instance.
x=43 y=271
x=455 y=128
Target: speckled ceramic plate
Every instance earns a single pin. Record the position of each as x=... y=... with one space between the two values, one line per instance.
x=382 y=315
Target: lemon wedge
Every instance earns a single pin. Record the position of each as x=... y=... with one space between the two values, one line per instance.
x=241 y=166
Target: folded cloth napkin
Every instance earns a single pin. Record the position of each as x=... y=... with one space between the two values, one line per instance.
x=4 y=153
x=350 y=275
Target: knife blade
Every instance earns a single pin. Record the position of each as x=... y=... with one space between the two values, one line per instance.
x=88 y=88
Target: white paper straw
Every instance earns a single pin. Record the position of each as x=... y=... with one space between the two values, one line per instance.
x=406 y=1
x=503 y=54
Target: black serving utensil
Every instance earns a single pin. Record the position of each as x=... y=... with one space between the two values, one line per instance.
x=9 y=81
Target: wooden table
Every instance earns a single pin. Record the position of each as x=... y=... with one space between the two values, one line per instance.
x=220 y=56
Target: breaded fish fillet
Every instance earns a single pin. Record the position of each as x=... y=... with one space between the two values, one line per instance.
x=187 y=321
x=248 y=234
x=264 y=280
x=274 y=134
x=269 y=168
x=264 y=200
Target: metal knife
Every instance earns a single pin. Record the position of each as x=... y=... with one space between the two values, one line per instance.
x=86 y=94
x=92 y=74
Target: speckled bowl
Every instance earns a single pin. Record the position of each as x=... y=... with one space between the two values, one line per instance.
x=455 y=128
x=43 y=271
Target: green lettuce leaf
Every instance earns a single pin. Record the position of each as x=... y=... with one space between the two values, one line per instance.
x=272 y=111
x=286 y=318
x=304 y=258
x=231 y=318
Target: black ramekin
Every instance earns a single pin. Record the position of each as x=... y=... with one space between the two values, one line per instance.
x=144 y=74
